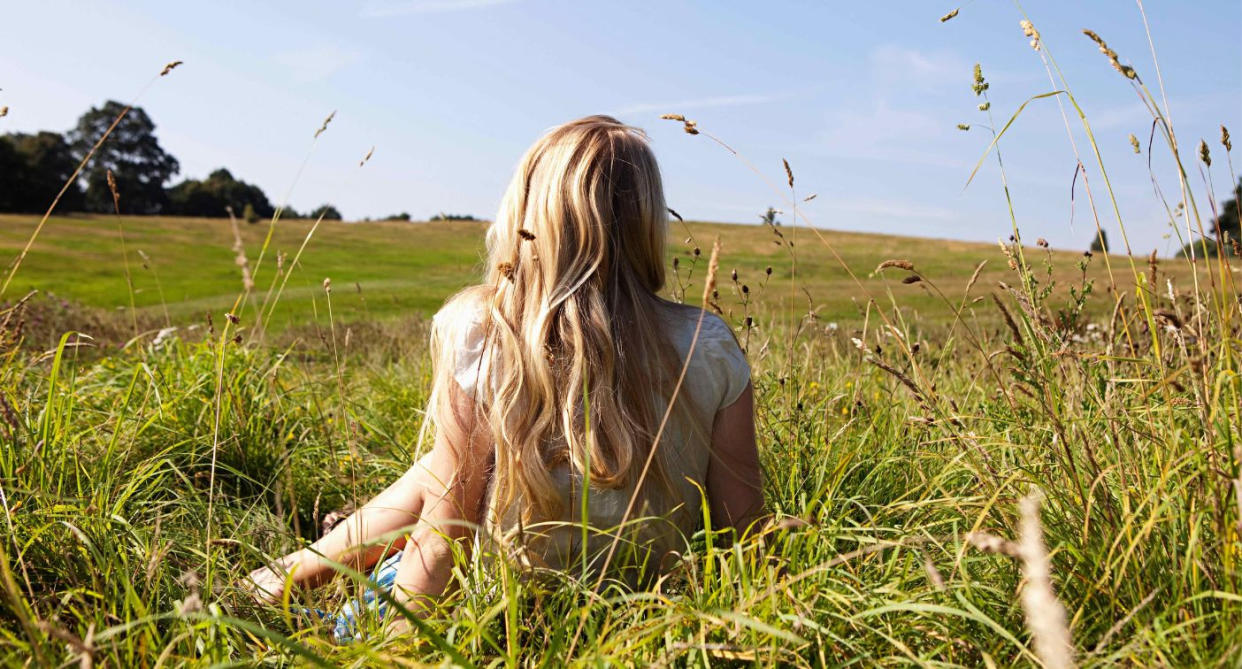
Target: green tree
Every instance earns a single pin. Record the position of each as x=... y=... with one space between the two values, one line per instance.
x=133 y=154
x=212 y=196
x=1225 y=226
x=1100 y=243
x=327 y=211
x=47 y=162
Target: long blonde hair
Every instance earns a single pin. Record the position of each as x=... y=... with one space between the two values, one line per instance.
x=575 y=261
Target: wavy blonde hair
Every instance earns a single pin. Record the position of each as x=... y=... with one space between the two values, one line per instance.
x=569 y=310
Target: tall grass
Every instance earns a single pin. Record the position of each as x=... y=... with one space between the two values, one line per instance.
x=1027 y=483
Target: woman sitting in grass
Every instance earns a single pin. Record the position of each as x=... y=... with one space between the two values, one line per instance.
x=583 y=424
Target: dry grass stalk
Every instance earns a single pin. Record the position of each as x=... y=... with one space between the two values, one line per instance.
x=240 y=250
x=1045 y=616
x=713 y=265
x=990 y=543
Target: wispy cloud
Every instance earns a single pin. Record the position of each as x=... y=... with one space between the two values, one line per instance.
x=901 y=66
x=387 y=8
x=316 y=63
x=895 y=208
x=697 y=103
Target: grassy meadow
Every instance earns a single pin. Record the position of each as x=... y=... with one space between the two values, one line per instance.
x=976 y=455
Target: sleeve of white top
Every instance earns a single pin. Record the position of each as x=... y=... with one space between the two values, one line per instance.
x=731 y=369
x=459 y=327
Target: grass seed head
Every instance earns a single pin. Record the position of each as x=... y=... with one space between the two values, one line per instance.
x=116 y=194
x=169 y=68
x=980 y=84
x=4 y=111
x=326 y=121
x=1205 y=154
x=1125 y=70
x=1134 y=143
x=964 y=127
x=895 y=262
x=327 y=285
x=1224 y=138
x=526 y=235
x=1045 y=616
x=984 y=106
x=950 y=16
x=1029 y=30
x=713 y=264
x=788 y=172
x=366 y=157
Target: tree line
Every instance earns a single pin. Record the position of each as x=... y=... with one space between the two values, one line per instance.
x=34 y=167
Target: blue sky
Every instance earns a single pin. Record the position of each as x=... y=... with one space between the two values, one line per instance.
x=862 y=99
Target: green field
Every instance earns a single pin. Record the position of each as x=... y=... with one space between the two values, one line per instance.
x=385 y=270
x=138 y=485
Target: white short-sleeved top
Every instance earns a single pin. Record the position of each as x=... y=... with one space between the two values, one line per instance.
x=716 y=376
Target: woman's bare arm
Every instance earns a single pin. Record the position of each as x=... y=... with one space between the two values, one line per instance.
x=398 y=506
x=460 y=463
x=734 y=479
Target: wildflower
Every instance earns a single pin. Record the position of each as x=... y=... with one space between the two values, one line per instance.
x=1205 y=154
x=1125 y=70
x=1135 y=143
x=733 y=275
x=949 y=17
x=768 y=271
x=232 y=318
x=1224 y=137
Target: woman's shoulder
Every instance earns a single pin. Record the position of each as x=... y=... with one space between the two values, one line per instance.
x=682 y=320
x=462 y=312
x=718 y=365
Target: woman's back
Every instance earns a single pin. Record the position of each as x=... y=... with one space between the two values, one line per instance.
x=669 y=508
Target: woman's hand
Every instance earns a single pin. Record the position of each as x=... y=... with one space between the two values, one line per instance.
x=264 y=585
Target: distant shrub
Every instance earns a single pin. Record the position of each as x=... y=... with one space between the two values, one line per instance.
x=250 y=214
x=452 y=217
